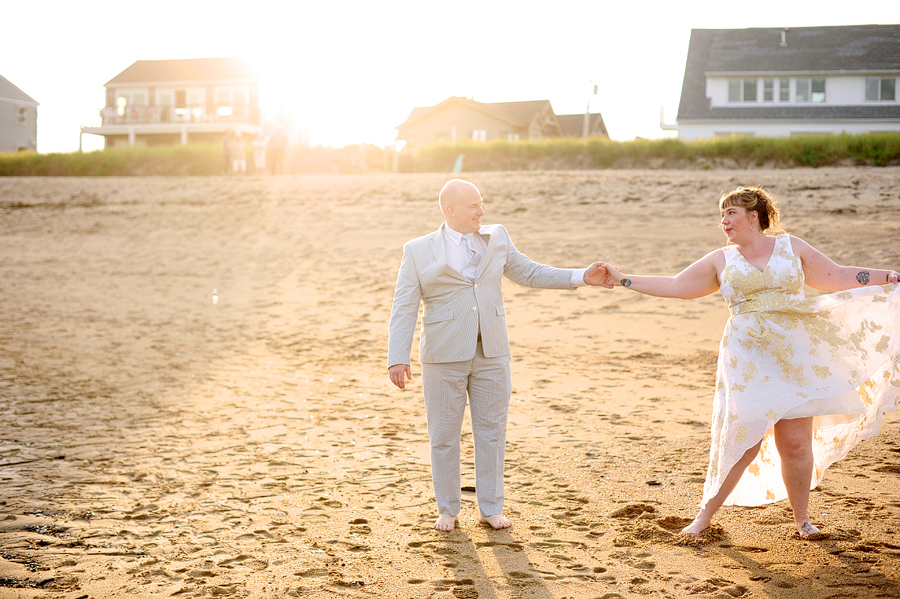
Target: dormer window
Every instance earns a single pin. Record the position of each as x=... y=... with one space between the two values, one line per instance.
x=881 y=89
x=776 y=90
x=811 y=90
x=742 y=90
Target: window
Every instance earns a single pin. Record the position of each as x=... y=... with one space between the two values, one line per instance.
x=881 y=89
x=23 y=116
x=129 y=99
x=749 y=90
x=232 y=101
x=811 y=90
x=479 y=135
x=511 y=136
x=784 y=90
x=742 y=90
x=818 y=90
x=776 y=90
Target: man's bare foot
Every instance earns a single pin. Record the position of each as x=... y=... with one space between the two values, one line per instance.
x=445 y=523
x=694 y=529
x=807 y=529
x=497 y=521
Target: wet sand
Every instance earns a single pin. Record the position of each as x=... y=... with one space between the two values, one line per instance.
x=154 y=443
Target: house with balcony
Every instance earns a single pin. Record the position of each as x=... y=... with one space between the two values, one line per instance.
x=168 y=102
x=787 y=81
x=18 y=119
x=462 y=118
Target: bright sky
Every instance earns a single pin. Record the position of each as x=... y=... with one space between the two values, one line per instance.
x=351 y=71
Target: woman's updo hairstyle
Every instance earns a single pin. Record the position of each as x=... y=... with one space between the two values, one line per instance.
x=754 y=198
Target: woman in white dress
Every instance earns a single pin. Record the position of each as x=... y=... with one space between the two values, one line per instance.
x=799 y=382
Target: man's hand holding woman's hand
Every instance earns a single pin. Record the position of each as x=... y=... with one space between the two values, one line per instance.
x=597 y=274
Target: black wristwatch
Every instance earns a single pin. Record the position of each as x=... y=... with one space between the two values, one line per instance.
x=626 y=282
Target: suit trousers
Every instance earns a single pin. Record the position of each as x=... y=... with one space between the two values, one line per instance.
x=487 y=383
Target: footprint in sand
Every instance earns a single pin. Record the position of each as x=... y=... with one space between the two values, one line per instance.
x=714 y=585
x=632 y=511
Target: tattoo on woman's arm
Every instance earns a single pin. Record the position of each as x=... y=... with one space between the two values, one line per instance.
x=863 y=277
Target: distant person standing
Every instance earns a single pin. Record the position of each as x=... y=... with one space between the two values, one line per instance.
x=226 y=151
x=259 y=153
x=238 y=154
x=276 y=151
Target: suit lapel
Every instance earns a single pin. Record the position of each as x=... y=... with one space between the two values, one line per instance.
x=491 y=242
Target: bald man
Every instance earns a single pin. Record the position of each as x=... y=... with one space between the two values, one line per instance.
x=464 y=347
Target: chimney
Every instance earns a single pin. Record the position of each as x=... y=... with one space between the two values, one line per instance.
x=783 y=43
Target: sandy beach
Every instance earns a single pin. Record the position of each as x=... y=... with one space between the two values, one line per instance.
x=194 y=399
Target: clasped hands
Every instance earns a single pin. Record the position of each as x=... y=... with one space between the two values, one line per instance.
x=602 y=274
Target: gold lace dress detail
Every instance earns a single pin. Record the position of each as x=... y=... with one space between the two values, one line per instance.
x=835 y=357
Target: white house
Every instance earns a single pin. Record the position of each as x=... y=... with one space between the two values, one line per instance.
x=18 y=119
x=165 y=102
x=791 y=81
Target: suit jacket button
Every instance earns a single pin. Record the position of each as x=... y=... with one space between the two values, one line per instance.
x=474 y=307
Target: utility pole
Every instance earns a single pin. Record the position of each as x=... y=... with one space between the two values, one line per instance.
x=586 y=126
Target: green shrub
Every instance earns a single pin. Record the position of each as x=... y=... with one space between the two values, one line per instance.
x=874 y=149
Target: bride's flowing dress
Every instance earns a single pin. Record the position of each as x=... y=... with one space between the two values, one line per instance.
x=835 y=357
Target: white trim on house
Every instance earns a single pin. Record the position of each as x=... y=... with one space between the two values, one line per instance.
x=708 y=129
x=19 y=102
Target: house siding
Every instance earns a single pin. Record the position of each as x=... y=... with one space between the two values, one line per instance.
x=16 y=137
x=18 y=119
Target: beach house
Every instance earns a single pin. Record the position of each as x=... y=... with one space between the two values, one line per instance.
x=459 y=118
x=18 y=119
x=790 y=81
x=572 y=125
x=168 y=102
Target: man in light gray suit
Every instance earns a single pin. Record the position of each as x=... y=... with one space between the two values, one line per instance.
x=464 y=348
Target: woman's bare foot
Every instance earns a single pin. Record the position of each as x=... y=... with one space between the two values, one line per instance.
x=445 y=523
x=807 y=529
x=695 y=528
x=497 y=521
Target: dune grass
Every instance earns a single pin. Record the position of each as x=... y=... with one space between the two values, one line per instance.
x=874 y=149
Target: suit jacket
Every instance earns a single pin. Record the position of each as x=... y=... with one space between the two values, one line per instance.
x=456 y=307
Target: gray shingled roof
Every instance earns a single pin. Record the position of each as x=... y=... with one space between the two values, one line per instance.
x=11 y=92
x=854 y=48
x=572 y=125
x=523 y=112
x=186 y=69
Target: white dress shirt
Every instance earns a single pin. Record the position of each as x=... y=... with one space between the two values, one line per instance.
x=458 y=257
